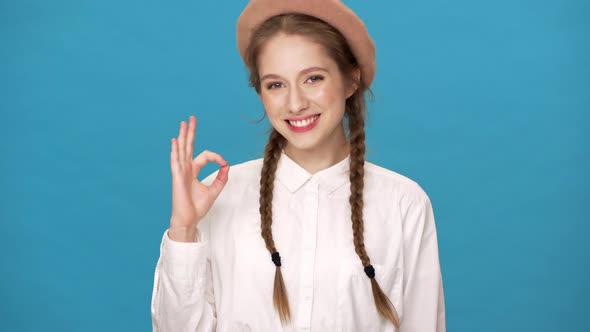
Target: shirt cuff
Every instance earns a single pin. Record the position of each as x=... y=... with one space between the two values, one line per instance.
x=183 y=260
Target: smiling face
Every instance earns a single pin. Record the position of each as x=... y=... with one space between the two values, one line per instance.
x=303 y=92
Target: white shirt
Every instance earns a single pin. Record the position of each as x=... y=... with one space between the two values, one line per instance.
x=225 y=282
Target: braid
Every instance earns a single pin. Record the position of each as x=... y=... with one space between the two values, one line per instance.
x=357 y=172
x=337 y=49
x=269 y=167
x=356 y=122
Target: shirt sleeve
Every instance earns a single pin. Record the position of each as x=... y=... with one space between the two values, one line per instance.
x=424 y=305
x=182 y=298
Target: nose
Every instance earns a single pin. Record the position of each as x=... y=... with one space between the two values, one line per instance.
x=297 y=100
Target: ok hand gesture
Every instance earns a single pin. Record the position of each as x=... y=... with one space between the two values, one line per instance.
x=191 y=199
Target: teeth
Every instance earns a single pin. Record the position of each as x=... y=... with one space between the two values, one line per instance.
x=303 y=123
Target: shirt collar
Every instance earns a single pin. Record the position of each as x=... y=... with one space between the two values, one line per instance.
x=293 y=176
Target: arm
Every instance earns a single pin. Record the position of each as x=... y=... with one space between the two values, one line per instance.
x=424 y=305
x=182 y=298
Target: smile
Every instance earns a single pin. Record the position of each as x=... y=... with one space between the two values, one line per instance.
x=303 y=125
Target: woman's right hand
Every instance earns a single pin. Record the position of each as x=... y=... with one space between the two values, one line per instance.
x=191 y=199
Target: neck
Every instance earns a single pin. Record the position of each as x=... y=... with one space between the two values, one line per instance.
x=321 y=157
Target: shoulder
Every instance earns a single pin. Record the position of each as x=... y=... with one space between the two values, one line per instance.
x=242 y=173
x=241 y=189
x=385 y=181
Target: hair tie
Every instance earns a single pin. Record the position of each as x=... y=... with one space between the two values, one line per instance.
x=370 y=271
x=276 y=258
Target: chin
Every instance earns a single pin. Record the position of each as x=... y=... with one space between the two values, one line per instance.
x=302 y=147
x=303 y=144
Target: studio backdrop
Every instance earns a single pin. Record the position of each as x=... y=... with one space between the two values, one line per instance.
x=483 y=103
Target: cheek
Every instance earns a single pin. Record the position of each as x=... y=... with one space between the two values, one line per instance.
x=272 y=105
x=330 y=99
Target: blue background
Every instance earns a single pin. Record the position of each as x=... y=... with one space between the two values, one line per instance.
x=484 y=104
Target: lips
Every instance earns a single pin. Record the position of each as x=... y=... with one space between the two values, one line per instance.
x=304 y=124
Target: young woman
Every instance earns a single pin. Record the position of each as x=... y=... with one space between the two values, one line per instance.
x=311 y=237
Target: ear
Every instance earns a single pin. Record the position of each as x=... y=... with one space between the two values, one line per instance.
x=353 y=86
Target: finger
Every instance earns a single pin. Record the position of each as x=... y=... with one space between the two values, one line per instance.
x=181 y=141
x=206 y=157
x=219 y=181
x=190 y=138
x=174 y=155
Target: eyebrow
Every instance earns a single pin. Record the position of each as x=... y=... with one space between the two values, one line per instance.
x=303 y=72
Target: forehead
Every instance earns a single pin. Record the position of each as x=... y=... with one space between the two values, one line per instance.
x=288 y=54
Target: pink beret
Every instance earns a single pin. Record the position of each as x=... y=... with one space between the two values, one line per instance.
x=334 y=12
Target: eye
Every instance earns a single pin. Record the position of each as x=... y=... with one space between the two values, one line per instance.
x=273 y=85
x=315 y=78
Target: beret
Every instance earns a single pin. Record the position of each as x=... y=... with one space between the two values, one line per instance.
x=333 y=12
